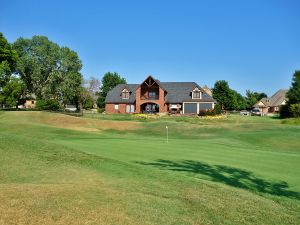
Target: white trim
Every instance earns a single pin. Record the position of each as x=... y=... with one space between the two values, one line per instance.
x=198 y=102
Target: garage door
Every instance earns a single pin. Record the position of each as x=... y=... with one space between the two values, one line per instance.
x=205 y=106
x=190 y=108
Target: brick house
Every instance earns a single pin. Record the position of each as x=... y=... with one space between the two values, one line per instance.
x=153 y=96
x=272 y=105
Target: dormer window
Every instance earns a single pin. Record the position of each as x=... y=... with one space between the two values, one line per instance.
x=125 y=94
x=196 y=93
x=267 y=100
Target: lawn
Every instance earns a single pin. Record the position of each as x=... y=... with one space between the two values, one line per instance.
x=103 y=169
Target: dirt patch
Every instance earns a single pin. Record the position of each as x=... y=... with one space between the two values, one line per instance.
x=83 y=124
x=74 y=123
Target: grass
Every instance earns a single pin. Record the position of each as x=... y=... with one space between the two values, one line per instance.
x=57 y=169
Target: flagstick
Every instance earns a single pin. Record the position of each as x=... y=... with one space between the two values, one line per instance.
x=167 y=134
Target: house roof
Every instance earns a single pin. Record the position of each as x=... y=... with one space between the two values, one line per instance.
x=115 y=96
x=176 y=92
x=276 y=100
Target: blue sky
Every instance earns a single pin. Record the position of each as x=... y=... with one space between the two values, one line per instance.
x=253 y=44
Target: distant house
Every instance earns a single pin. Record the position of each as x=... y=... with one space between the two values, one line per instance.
x=30 y=104
x=153 y=96
x=271 y=105
x=30 y=101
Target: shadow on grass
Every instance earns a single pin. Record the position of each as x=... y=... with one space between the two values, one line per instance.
x=227 y=175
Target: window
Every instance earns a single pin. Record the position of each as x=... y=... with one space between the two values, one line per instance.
x=125 y=94
x=196 y=94
x=132 y=108
x=116 y=106
x=32 y=102
x=152 y=94
x=127 y=108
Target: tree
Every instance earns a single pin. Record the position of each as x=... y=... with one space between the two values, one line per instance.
x=227 y=98
x=93 y=85
x=8 y=58
x=37 y=62
x=48 y=70
x=253 y=97
x=90 y=92
x=293 y=93
x=5 y=73
x=86 y=98
x=238 y=101
x=109 y=81
x=68 y=77
x=223 y=94
x=292 y=107
x=12 y=92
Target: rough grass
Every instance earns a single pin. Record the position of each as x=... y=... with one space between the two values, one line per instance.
x=233 y=171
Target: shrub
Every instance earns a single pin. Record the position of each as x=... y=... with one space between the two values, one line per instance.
x=218 y=109
x=48 y=104
x=295 y=109
x=284 y=111
x=88 y=103
x=101 y=110
x=207 y=113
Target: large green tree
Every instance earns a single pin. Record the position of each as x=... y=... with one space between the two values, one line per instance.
x=8 y=58
x=48 y=70
x=109 y=81
x=293 y=93
x=227 y=98
x=292 y=108
x=221 y=93
x=238 y=101
x=12 y=92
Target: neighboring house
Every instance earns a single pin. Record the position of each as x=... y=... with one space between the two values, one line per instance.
x=30 y=104
x=30 y=101
x=271 y=105
x=153 y=96
x=207 y=90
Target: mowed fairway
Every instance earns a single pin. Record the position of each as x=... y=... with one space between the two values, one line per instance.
x=58 y=169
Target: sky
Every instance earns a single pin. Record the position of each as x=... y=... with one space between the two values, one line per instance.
x=252 y=44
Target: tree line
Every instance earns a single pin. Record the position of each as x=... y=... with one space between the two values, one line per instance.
x=37 y=67
x=40 y=67
x=229 y=99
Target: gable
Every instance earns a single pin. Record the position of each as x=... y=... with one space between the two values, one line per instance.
x=260 y=103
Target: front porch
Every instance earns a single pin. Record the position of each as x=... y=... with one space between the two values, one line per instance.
x=149 y=108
